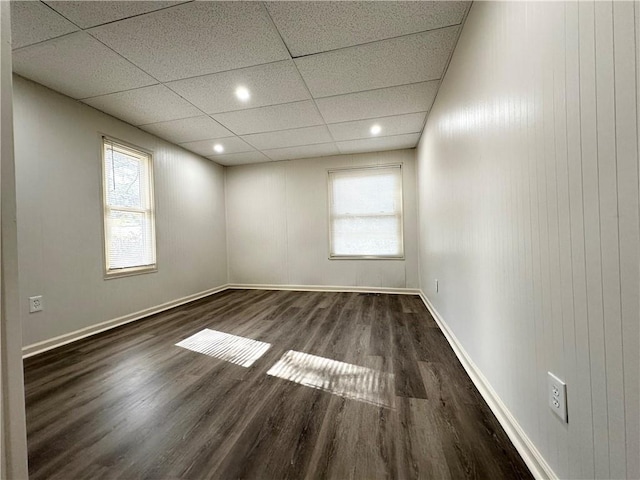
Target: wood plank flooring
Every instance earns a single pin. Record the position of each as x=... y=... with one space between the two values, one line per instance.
x=130 y=404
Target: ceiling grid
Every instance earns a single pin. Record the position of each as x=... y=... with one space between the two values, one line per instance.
x=317 y=76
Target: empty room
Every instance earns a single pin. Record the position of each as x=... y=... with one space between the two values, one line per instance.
x=320 y=239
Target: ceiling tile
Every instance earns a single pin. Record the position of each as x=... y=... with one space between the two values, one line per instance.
x=33 y=22
x=379 y=143
x=312 y=27
x=230 y=144
x=240 y=158
x=268 y=84
x=275 y=117
x=78 y=66
x=289 y=138
x=87 y=14
x=395 y=125
x=196 y=38
x=144 y=105
x=188 y=129
x=416 y=97
x=399 y=61
x=305 y=151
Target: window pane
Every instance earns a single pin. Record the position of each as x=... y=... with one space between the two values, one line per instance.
x=367 y=236
x=129 y=240
x=372 y=193
x=123 y=175
x=128 y=201
x=366 y=212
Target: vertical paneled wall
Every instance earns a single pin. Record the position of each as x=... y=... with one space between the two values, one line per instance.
x=277 y=222
x=528 y=217
x=58 y=175
x=13 y=435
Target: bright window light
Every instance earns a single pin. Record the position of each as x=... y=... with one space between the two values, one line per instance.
x=243 y=94
x=129 y=219
x=365 y=212
x=230 y=348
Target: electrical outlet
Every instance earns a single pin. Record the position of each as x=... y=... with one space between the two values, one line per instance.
x=558 y=397
x=35 y=304
x=437 y=286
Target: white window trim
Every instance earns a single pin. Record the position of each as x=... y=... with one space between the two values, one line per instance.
x=329 y=214
x=128 y=271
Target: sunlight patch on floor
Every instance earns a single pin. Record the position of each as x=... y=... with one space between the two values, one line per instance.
x=340 y=378
x=230 y=348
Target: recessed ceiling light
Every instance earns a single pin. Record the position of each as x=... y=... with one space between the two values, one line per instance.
x=218 y=148
x=243 y=94
x=375 y=130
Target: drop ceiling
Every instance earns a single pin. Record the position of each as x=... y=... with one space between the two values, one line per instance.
x=319 y=74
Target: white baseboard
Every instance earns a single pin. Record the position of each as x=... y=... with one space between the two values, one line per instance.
x=325 y=288
x=535 y=461
x=55 y=342
x=40 y=347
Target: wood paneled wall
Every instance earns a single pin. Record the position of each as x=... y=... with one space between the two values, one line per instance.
x=528 y=217
x=13 y=435
x=58 y=176
x=277 y=225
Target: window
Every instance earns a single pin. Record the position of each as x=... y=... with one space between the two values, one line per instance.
x=366 y=212
x=129 y=224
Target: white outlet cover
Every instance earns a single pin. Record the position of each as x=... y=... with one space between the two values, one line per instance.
x=35 y=304
x=557 y=392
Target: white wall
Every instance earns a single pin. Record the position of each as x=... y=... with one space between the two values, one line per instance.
x=277 y=224
x=528 y=217
x=13 y=434
x=58 y=169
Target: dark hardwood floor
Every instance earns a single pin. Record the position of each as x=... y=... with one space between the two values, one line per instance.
x=370 y=389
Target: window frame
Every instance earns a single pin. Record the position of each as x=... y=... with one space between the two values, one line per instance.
x=106 y=209
x=331 y=256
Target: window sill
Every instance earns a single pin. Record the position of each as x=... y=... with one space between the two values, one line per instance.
x=363 y=257
x=128 y=272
